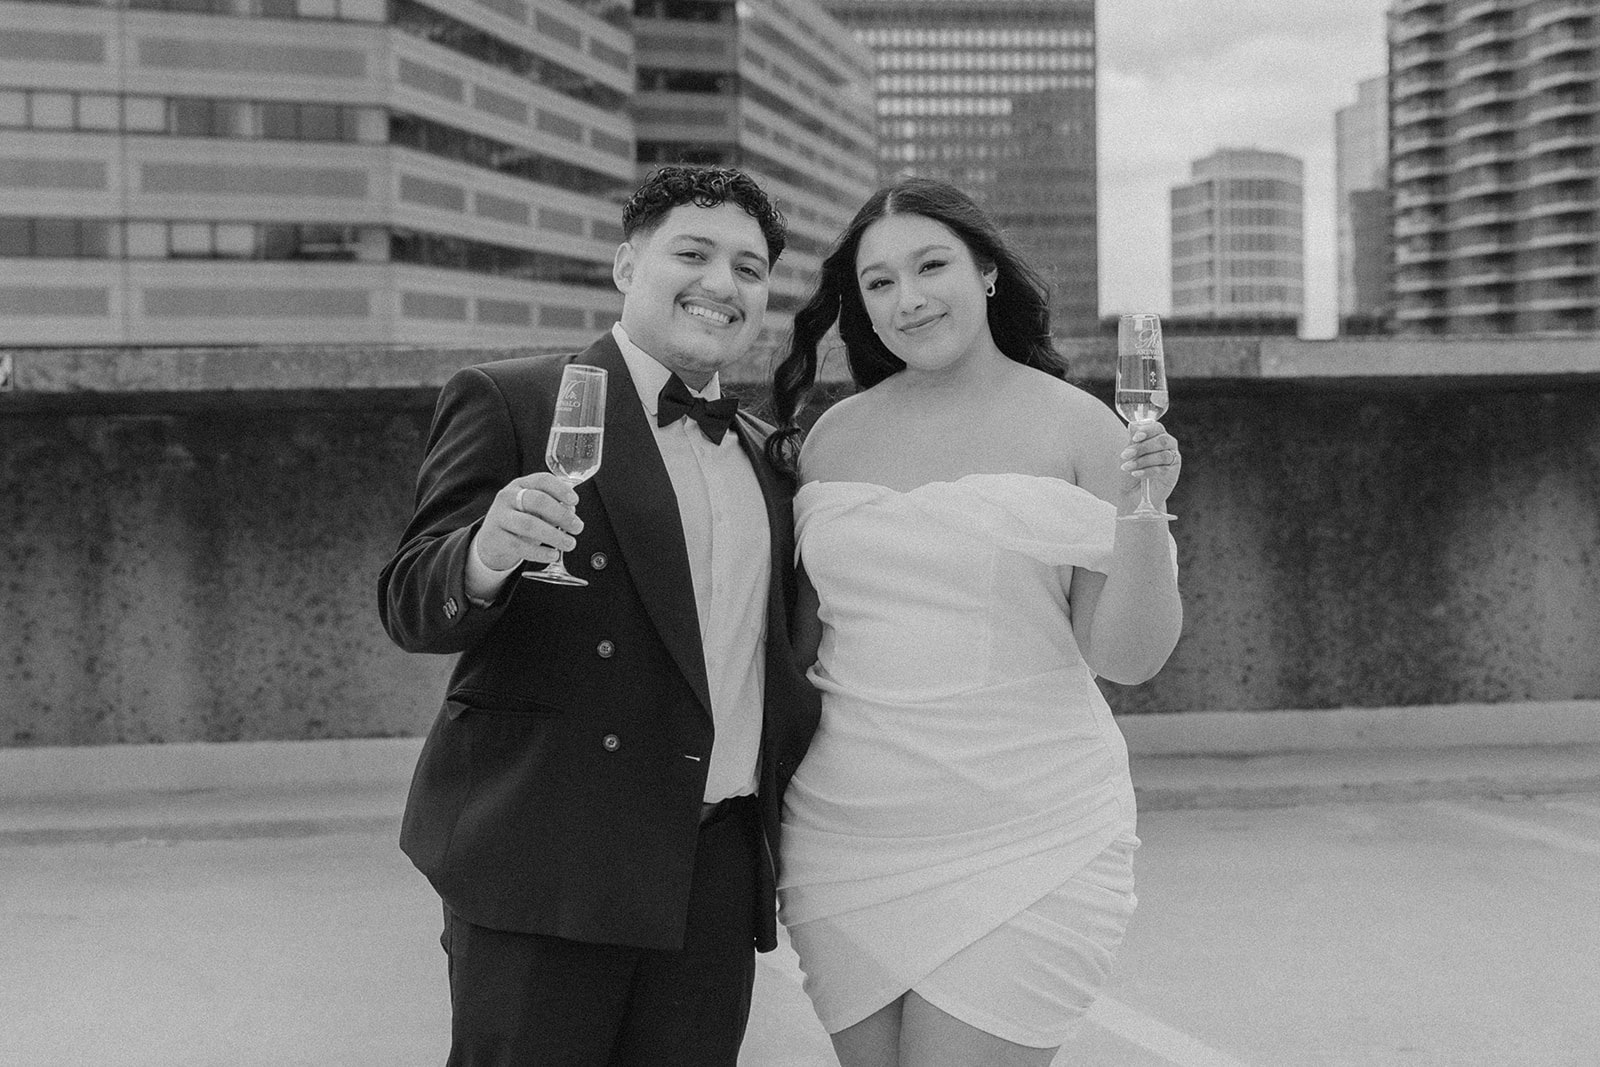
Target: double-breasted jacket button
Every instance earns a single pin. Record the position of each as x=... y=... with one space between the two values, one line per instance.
x=611 y=742
x=605 y=649
x=451 y=608
x=598 y=561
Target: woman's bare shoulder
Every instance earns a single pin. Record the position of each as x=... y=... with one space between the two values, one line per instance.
x=837 y=434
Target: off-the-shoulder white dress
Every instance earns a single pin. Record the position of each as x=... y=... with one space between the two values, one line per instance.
x=963 y=823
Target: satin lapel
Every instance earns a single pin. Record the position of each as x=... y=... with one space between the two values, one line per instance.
x=780 y=518
x=637 y=493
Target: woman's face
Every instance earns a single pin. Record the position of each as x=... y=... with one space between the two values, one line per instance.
x=923 y=292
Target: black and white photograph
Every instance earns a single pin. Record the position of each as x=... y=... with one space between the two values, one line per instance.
x=799 y=533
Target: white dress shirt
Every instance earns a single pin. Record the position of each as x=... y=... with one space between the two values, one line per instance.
x=730 y=559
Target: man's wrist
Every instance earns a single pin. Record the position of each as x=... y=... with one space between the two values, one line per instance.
x=484 y=582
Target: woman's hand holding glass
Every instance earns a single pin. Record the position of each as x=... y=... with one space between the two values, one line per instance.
x=1151 y=459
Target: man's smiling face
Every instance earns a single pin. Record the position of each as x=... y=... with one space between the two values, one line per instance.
x=695 y=288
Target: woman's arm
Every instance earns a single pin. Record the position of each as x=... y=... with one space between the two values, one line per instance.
x=805 y=629
x=1127 y=621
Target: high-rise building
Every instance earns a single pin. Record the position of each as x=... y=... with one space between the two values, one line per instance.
x=998 y=98
x=284 y=171
x=1361 y=208
x=774 y=87
x=1238 y=238
x=391 y=171
x=1496 y=165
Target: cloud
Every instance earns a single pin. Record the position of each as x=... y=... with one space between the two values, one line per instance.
x=1179 y=79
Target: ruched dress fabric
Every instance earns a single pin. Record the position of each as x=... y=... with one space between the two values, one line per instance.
x=963 y=822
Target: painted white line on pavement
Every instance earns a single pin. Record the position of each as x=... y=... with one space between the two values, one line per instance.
x=1577 y=807
x=1531 y=830
x=1152 y=1035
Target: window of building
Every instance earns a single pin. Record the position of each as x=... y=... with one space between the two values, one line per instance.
x=235 y=240
x=430 y=25
x=684 y=10
x=189 y=240
x=146 y=240
x=99 y=111
x=13 y=108
x=51 y=238
x=51 y=111
x=448 y=142
x=458 y=253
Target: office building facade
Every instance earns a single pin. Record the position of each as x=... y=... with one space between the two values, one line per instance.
x=381 y=171
x=1361 y=208
x=997 y=97
x=1496 y=165
x=776 y=88
x=1238 y=238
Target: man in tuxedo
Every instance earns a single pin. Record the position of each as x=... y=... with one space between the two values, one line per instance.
x=597 y=802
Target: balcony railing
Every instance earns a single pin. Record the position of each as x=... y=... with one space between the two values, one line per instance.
x=1408 y=30
x=1499 y=150
x=1483 y=64
x=1559 y=139
x=1566 y=72
x=1558 y=38
x=1470 y=12
x=1550 y=271
x=1407 y=198
x=1487 y=35
x=1415 y=55
x=1482 y=247
x=1578 y=206
x=1481 y=277
x=1484 y=307
x=1481 y=215
x=1407 y=284
x=1467 y=187
x=1485 y=96
x=1421 y=311
x=1482 y=125
x=1542 y=235
x=1559 y=170
x=1416 y=257
x=1422 y=81
x=1414 y=169
x=1545 y=12
x=1420 y=111
x=1419 y=224
x=1579 y=301
x=1418 y=140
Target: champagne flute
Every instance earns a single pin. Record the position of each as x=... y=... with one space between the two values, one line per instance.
x=1141 y=387
x=573 y=451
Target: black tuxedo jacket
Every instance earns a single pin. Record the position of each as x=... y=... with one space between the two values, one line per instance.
x=559 y=789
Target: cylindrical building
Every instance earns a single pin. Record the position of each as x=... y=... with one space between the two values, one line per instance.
x=1238 y=238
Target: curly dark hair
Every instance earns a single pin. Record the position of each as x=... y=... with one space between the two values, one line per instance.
x=1019 y=311
x=676 y=184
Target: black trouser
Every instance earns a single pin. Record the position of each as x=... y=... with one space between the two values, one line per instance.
x=527 y=1000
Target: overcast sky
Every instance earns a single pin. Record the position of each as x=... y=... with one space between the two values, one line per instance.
x=1181 y=78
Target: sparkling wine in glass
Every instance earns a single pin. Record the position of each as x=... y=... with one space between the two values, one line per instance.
x=1141 y=387
x=573 y=451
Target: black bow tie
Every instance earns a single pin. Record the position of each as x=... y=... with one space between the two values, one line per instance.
x=714 y=416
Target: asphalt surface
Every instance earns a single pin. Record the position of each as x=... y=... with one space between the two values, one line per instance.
x=1417 y=925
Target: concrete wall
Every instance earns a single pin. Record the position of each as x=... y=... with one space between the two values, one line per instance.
x=189 y=540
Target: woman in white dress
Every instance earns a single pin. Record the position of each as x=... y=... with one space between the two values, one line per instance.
x=956 y=867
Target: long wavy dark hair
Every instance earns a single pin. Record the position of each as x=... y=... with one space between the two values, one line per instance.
x=1019 y=311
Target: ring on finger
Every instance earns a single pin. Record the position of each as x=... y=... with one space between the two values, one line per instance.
x=520 y=493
